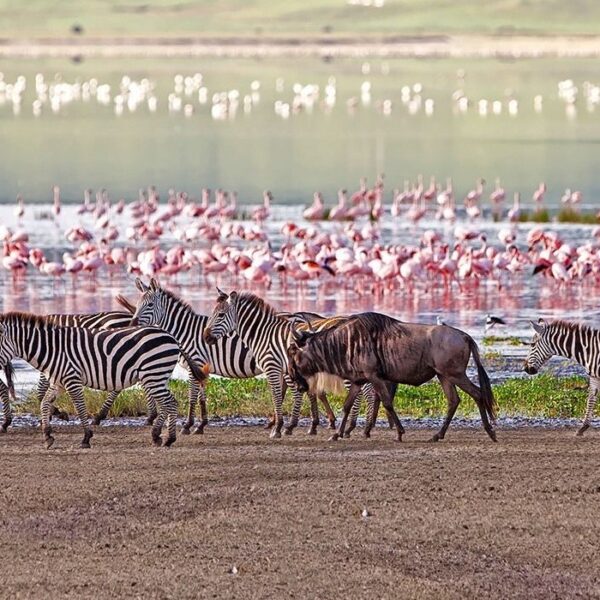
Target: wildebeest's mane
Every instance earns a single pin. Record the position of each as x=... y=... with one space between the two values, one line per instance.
x=254 y=301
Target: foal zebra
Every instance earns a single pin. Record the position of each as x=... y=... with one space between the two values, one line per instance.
x=571 y=340
x=111 y=360
x=230 y=357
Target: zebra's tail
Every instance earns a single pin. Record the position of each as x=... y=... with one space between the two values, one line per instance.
x=9 y=372
x=200 y=374
x=487 y=395
x=128 y=306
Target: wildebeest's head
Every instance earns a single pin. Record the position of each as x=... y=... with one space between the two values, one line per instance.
x=223 y=320
x=150 y=308
x=299 y=359
x=540 y=350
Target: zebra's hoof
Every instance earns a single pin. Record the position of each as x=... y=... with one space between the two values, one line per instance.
x=62 y=415
x=367 y=434
x=331 y=425
x=169 y=441
x=97 y=420
x=199 y=430
x=347 y=434
x=85 y=445
x=275 y=434
x=185 y=430
x=335 y=437
x=49 y=442
x=312 y=431
x=288 y=430
x=5 y=426
x=435 y=438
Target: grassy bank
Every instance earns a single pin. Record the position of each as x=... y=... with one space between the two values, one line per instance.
x=543 y=396
x=300 y=19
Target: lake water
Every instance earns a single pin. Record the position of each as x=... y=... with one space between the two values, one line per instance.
x=85 y=144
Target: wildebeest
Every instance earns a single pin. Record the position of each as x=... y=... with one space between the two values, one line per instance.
x=372 y=347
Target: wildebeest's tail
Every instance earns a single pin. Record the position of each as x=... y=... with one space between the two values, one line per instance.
x=200 y=374
x=487 y=396
x=125 y=303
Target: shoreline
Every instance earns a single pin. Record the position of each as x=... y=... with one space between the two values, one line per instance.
x=409 y=46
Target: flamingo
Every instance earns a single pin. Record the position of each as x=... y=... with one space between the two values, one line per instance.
x=340 y=211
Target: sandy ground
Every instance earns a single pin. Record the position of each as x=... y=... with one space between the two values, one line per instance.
x=234 y=515
x=434 y=46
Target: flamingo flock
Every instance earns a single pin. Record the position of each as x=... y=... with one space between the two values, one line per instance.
x=344 y=245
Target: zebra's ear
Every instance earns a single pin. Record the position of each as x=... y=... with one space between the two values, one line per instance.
x=222 y=295
x=140 y=285
x=233 y=296
x=154 y=285
x=539 y=326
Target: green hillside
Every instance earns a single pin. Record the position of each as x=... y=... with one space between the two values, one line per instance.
x=295 y=18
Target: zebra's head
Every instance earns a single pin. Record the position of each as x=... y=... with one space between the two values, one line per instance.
x=541 y=349
x=223 y=320
x=150 y=308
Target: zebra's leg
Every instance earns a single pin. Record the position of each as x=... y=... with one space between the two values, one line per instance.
x=42 y=388
x=328 y=410
x=159 y=393
x=192 y=397
x=453 y=401
x=372 y=412
x=314 y=413
x=276 y=384
x=169 y=405
x=105 y=408
x=273 y=418
x=591 y=403
x=353 y=416
x=46 y=408
x=352 y=394
x=152 y=410
x=297 y=406
x=75 y=391
x=203 y=412
x=6 y=407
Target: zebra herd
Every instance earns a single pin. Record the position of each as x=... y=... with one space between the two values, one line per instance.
x=245 y=337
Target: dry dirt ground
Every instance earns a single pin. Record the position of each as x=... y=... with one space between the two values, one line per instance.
x=232 y=514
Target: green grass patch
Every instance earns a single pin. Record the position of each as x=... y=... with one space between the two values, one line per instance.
x=568 y=215
x=542 y=395
x=536 y=216
x=490 y=340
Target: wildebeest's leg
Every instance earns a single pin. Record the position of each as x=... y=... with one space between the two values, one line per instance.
x=383 y=391
x=328 y=410
x=74 y=388
x=277 y=384
x=352 y=394
x=591 y=402
x=42 y=388
x=465 y=384
x=106 y=406
x=48 y=399
x=194 y=389
x=453 y=401
x=203 y=413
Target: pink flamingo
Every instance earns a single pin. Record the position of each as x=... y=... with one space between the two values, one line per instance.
x=316 y=211
x=340 y=211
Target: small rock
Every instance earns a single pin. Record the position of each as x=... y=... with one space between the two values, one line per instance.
x=233 y=570
x=365 y=513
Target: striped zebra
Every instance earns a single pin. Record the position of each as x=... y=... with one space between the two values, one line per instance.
x=110 y=360
x=112 y=319
x=268 y=335
x=230 y=357
x=571 y=340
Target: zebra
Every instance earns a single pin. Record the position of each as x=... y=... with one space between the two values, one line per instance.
x=111 y=360
x=113 y=319
x=572 y=340
x=268 y=336
x=230 y=357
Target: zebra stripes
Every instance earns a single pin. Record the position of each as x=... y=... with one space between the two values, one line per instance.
x=111 y=360
x=268 y=335
x=571 y=340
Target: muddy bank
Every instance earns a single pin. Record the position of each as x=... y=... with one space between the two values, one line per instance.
x=426 y=46
x=236 y=515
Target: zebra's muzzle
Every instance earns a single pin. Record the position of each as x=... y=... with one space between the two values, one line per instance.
x=209 y=338
x=529 y=369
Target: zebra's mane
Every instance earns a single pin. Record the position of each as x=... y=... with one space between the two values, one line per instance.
x=572 y=326
x=250 y=299
x=24 y=317
x=177 y=299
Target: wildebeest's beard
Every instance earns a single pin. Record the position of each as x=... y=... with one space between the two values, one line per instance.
x=294 y=370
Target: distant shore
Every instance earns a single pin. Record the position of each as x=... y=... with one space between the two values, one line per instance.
x=415 y=46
